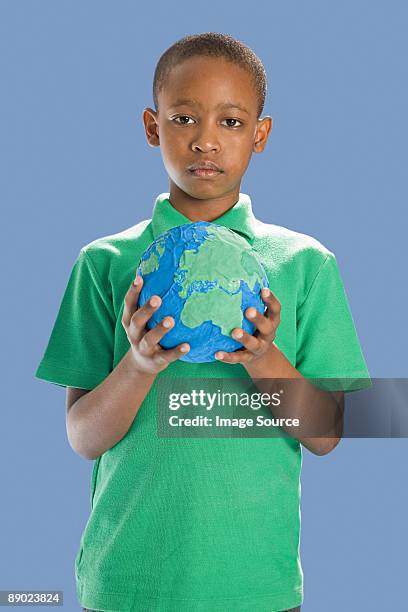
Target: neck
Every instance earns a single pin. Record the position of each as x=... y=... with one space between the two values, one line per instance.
x=202 y=210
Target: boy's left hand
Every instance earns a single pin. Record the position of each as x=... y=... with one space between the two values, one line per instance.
x=256 y=345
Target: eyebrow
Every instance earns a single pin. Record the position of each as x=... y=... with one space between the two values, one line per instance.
x=222 y=105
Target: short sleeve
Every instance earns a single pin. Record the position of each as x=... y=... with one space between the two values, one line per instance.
x=80 y=349
x=327 y=344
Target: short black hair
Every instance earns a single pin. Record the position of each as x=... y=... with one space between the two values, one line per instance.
x=213 y=44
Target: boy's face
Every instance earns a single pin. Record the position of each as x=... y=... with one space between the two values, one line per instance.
x=199 y=123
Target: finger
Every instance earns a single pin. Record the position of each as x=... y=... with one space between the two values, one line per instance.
x=166 y=356
x=235 y=357
x=141 y=316
x=130 y=301
x=273 y=305
x=264 y=324
x=251 y=343
x=150 y=340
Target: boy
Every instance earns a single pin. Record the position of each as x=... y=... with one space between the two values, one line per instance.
x=196 y=524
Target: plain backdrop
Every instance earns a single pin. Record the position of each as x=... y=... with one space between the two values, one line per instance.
x=74 y=78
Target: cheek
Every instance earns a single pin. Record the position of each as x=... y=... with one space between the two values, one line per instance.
x=239 y=146
x=167 y=139
x=170 y=152
x=241 y=155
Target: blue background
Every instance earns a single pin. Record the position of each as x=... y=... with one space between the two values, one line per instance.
x=75 y=165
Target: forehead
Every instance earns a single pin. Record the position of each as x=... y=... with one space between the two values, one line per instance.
x=209 y=81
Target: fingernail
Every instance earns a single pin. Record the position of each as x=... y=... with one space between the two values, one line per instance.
x=166 y=323
x=154 y=301
x=184 y=349
x=251 y=314
x=266 y=292
x=238 y=334
x=218 y=355
x=137 y=280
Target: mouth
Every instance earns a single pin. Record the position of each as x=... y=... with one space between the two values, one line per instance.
x=204 y=170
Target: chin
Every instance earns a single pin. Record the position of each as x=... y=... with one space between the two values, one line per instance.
x=200 y=193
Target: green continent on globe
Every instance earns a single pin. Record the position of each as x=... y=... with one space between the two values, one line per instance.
x=152 y=262
x=225 y=309
x=250 y=265
x=222 y=261
x=160 y=246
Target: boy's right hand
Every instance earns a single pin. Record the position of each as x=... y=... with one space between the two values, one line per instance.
x=148 y=356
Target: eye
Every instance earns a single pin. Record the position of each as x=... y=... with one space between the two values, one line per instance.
x=181 y=117
x=236 y=121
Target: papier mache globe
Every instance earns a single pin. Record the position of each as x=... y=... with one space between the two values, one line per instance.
x=206 y=276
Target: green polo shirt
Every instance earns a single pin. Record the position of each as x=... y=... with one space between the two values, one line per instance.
x=186 y=524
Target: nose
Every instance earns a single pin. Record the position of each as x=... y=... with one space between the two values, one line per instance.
x=205 y=141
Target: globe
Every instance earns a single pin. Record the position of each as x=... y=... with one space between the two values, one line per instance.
x=206 y=275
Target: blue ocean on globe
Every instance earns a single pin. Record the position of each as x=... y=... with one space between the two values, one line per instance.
x=207 y=275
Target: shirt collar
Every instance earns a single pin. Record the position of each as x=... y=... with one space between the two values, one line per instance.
x=239 y=218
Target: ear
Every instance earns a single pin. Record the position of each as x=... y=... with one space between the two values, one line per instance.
x=262 y=132
x=151 y=126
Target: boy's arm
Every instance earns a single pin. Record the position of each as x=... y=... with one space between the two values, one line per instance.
x=98 y=419
x=316 y=409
